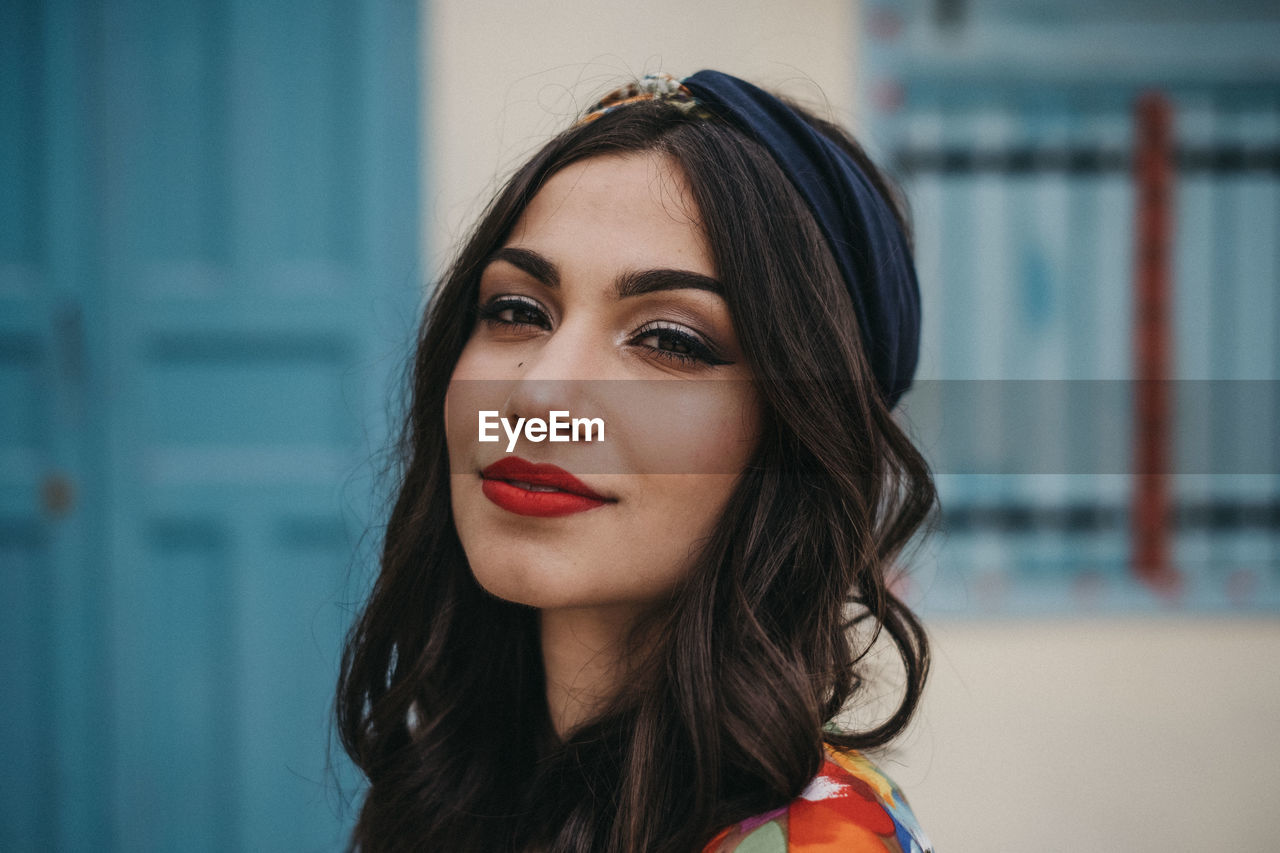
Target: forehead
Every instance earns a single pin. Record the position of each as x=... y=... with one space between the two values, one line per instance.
x=631 y=211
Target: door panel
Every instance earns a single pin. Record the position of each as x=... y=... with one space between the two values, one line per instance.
x=208 y=276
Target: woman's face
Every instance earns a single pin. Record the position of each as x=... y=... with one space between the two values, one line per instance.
x=602 y=304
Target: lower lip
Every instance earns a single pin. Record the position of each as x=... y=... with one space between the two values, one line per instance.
x=537 y=504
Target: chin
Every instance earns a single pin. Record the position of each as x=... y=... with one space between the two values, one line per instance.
x=533 y=585
x=510 y=589
x=520 y=583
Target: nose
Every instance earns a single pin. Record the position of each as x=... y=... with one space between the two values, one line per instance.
x=559 y=374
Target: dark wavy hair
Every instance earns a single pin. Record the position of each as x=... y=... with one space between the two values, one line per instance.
x=441 y=700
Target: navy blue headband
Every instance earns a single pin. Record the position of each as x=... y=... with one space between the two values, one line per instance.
x=869 y=246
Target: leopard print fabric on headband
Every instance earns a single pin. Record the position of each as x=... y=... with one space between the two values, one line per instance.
x=648 y=88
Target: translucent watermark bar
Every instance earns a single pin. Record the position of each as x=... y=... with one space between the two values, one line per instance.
x=996 y=427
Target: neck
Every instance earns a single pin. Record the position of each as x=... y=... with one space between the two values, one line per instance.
x=586 y=658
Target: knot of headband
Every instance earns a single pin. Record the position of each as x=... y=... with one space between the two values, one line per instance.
x=869 y=246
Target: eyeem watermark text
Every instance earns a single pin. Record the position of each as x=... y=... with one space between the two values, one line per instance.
x=559 y=428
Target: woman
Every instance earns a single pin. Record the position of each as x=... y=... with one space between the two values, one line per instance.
x=641 y=642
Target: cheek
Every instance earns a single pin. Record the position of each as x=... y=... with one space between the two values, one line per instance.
x=693 y=448
x=687 y=427
x=460 y=422
x=683 y=510
x=457 y=401
x=471 y=390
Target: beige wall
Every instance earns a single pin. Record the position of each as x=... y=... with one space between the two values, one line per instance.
x=1123 y=734
x=504 y=76
x=1137 y=734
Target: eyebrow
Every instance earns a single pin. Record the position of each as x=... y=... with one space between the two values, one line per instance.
x=628 y=284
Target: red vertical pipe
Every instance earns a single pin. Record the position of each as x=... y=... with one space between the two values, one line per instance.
x=1153 y=177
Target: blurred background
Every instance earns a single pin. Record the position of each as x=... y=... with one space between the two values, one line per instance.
x=218 y=221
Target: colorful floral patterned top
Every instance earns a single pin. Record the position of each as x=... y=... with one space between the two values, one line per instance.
x=849 y=807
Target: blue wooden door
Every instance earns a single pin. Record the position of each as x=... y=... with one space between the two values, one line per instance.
x=208 y=276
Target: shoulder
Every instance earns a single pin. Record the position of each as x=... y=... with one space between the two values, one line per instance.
x=851 y=806
x=851 y=789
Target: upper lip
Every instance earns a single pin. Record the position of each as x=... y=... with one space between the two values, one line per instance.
x=513 y=468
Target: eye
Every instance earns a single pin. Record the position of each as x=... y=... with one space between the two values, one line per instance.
x=514 y=312
x=676 y=344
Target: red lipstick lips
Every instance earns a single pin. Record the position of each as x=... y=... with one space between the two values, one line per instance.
x=539 y=490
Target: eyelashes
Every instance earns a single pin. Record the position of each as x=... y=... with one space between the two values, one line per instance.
x=673 y=343
x=523 y=311
x=663 y=340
